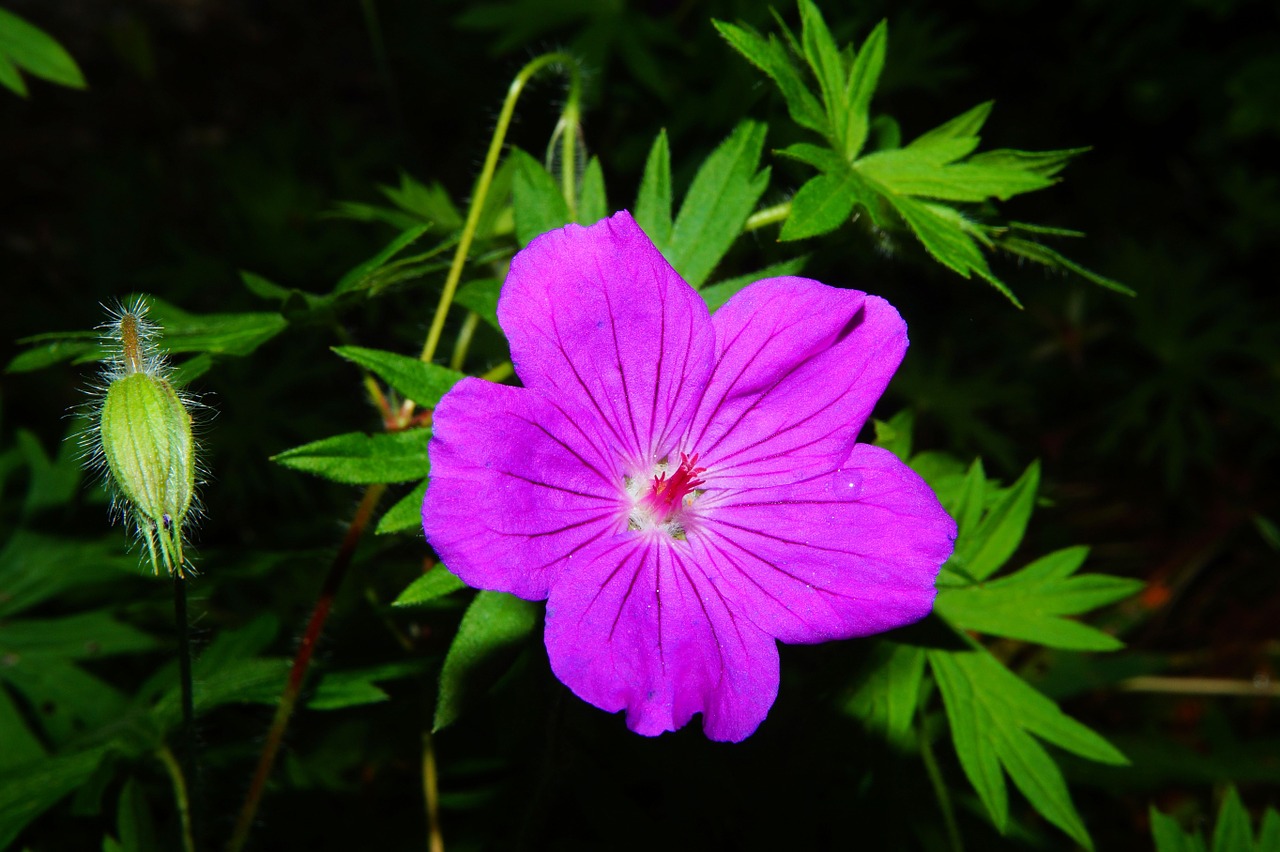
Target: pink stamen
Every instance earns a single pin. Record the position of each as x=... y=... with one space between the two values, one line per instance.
x=669 y=492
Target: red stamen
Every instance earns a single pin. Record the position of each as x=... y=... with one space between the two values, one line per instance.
x=668 y=493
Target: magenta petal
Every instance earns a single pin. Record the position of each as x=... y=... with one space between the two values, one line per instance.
x=844 y=553
x=799 y=368
x=641 y=628
x=597 y=316
x=518 y=485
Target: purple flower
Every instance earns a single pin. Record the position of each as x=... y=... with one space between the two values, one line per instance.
x=683 y=489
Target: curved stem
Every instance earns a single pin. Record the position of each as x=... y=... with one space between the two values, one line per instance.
x=463 y=343
x=301 y=663
x=939 y=787
x=768 y=216
x=486 y=180
x=179 y=782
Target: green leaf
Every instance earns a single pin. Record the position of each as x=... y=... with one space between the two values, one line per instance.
x=134 y=821
x=357 y=687
x=538 y=204
x=66 y=348
x=1028 y=605
x=1269 y=834
x=1053 y=259
x=653 y=202
x=717 y=294
x=895 y=434
x=406 y=514
x=35 y=568
x=358 y=459
x=30 y=790
x=363 y=275
x=11 y=78
x=481 y=296
x=423 y=383
x=592 y=203
x=436 y=583
x=822 y=205
x=904 y=171
x=221 y=334
x=820 y=157
x=86 y=636
x=35 y=52
x=963 y=126
x=723 y=194
x=771 y=57
x=1232 y=831
x=1169 y=836
x=887 y=696
x=492 y=628
x=427 y=203
x=993 y=714
x=823 y=56
x=18 y=745
x=864 y=75
x=1000 y=531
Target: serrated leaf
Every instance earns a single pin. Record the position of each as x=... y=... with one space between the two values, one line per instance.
x=653 y=202
x=717 y=294
x=1045 y=163
x=359 y=459
x=492 y=628
x=992 y=713
x=406 y=514
x=907 y=171
x=822 y=205
x=34 y=51
x=1054 y=259
x=592 y=203
x=481 y=296
x=864 y=76
x=1232 y=830
x=362 y=275
x=427 y=203
x=236 y=334
x=965 y=125
x=436 y=583
x=887 y=695
x=771 y=57
x=423 y=383
x=944 y=235
x=1028 y=605
x=723 y=194
x=537 y=202
x=1000 y=531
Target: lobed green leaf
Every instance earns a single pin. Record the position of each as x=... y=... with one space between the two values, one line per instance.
x=823 y=204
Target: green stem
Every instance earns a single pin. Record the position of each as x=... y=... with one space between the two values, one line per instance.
x=939 y=787
x=431 y=793
x=463 y=343
x=768 y=216
x=486 y=180
x=179 y=782
x=301 y=663
x=190 y=763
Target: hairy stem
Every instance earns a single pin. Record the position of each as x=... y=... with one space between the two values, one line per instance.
x=486 y=180
x=301 y=663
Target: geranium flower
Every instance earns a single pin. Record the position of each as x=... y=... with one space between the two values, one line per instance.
x=683 y=489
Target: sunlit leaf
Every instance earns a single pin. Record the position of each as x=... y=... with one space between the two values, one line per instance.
x=359 y=459
x=413 y=379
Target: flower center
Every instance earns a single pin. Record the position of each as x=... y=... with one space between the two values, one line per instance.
x=660 y=502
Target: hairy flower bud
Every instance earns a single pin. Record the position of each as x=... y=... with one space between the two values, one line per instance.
x=143 y=440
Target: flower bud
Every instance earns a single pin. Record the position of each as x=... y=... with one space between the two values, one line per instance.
x=142 y=440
